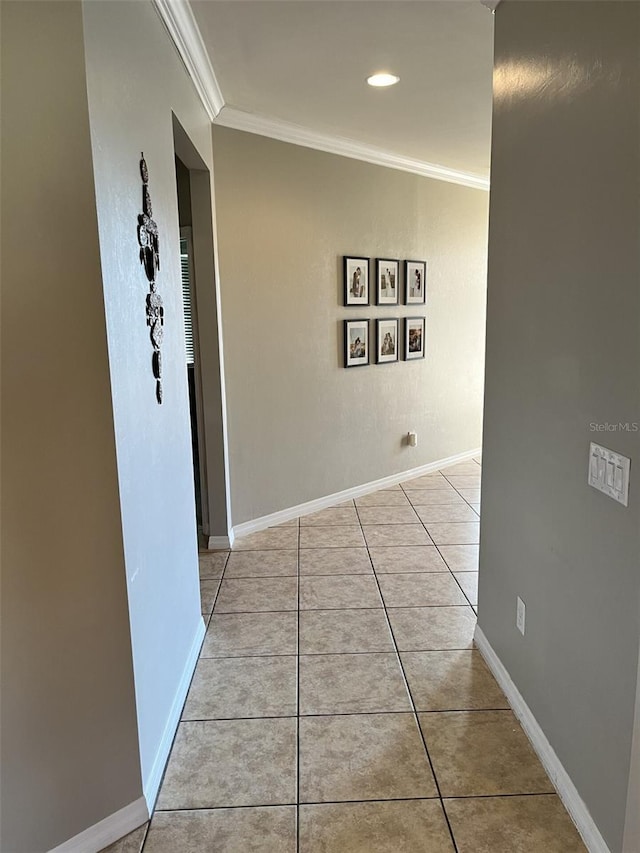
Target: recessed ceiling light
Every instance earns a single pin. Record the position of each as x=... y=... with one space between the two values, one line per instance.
x=382 y=79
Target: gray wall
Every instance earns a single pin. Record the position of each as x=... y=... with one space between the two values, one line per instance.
x=563 y=352
x=300 y=425
x=135 y=81
x=69 y=739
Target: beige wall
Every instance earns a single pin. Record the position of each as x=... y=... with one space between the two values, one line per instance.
x=69 y=738
x=563 y=352
x=300 y=425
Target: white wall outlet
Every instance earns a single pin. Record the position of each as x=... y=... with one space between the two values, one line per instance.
x=609 y=473
x=520 y=615
x=412 y=439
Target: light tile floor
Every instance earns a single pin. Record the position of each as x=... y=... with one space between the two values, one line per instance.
x=339 y=705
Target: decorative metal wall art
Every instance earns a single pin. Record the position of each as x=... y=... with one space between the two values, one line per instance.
x=150 y=259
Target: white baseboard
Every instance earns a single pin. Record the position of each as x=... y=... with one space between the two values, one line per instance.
x=220 y=543
x=347 y=494
x=151 y=785
x=560 y=779
x=104 y=833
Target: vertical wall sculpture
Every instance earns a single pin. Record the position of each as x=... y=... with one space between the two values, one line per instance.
x=150 y=260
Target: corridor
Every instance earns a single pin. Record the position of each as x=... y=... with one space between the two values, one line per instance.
x=339 y=705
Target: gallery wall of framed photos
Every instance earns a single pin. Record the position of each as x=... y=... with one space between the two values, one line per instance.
x=383 y=333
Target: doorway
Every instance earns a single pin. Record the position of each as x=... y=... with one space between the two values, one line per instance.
x=203 y=344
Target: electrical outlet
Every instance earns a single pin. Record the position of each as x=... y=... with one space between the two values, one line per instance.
x=520 y=615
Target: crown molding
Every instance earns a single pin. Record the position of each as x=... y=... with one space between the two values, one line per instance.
x=297 y=135
x=491 y=5
x=185 y=34
x=183 y=30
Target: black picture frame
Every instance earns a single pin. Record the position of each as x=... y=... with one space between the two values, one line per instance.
x=387 y=340
x=356 y=276
x=411 y=294
x=351 y=328
x=387 y=278
x=410 y=325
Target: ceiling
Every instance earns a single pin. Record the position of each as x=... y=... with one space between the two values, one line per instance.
x=305 y=62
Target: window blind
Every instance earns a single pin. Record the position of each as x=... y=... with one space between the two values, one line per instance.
x=185 y=265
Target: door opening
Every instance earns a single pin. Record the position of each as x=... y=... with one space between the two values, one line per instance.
x=202 y=352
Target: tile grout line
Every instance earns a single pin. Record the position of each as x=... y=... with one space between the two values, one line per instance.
x=355 y=713
x=356 y=547
x=338 y=654
x=356 y=802
x=347 y=575
x=145 y=835
x=335 y=609
x=215 y=598
x=462 y=590
x=409 y=694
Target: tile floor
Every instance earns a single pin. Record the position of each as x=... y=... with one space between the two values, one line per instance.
x=339 y=705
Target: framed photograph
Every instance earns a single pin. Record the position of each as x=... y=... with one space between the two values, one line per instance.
x=387 y=341
x=356 y=343
x=387 y=281
x=356 y=281
x=415 y=282
x=414 y=337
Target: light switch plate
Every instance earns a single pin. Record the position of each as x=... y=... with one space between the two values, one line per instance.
x=520 y=615
x=609 y=473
